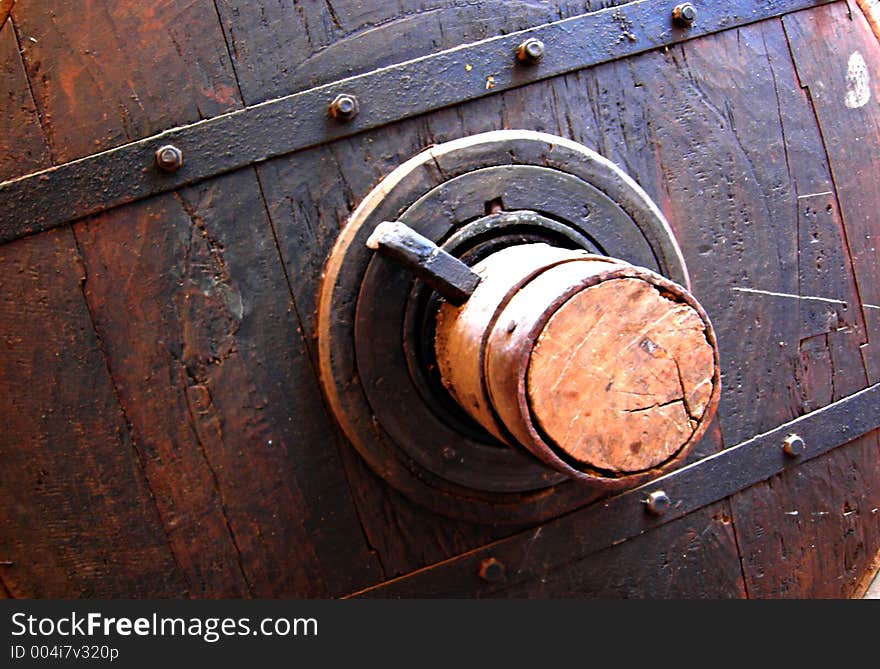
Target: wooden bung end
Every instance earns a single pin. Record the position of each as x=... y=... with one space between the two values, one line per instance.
x=601 y=369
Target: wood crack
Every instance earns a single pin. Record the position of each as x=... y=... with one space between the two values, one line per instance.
x=129 y=428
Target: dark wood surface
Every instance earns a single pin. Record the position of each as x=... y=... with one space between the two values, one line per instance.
x=163 y=429
x=78 y=518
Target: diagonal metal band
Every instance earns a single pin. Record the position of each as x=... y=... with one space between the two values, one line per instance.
x=64 y=193
x=617 y=519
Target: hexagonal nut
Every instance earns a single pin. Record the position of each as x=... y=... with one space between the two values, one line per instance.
x=684 y=14
x=793 y=446
x=169 y=158
x=657 y=503
x=530 y=51
x=344 y=107
x=492 y=570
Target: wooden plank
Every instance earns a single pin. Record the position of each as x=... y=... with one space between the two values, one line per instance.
x=813 y=532
x=77 y=517
x=283 y=48
x=23 y=147
x=288 y=124
x=615 y=520
x=309 y=196
x=5 y=9
x=837 y=59
x=204 y=342
x=105 y=73
x=692 y=557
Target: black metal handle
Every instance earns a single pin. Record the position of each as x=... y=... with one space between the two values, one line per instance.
x=445 y=273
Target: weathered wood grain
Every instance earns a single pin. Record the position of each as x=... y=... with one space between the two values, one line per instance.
x=645 y=372
x=309 y=197
x=105 y=73
x=871 y=8
x=280 y=48
x=813 y=532
x=209 y=335
x=691 y=558
x=23 y=146
x=844 y=97
x=203 y=341
x=77 y=518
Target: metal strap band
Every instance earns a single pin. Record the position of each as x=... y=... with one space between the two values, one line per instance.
x=617 y=519
x=61 y=194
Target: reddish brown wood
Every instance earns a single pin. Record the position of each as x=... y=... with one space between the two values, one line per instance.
x=693 y=557
x=281 y=48
x=844 y=99
x=202 y=340
x=104 y=73
x=462 y=332
x=77 y=515
x=871 y=9
x=5 y=9
x=814 y=534
x=652 y=349
x=22 y=144
x=718 y=131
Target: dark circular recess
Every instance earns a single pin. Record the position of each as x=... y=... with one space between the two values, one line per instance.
x=375 y=323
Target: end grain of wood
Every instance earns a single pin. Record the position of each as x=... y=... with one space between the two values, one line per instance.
x=621 y=376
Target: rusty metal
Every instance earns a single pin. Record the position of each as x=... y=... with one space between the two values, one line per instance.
x=169 y=158
x=657 y=503
x=531 y=51
x=684 y=14
x=344 y=107
x=793 y=446
x=445 y=273
x=41 y=201
x=492 y=570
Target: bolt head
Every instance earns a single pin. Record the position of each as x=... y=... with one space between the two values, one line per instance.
x=169 y=158
x=530 y=51
x=344 y=107
x=793 y=446
x=684 y=14
x=658 y=503
x=492 y=570
x=449 y=454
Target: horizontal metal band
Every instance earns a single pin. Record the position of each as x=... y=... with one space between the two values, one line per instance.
x=528 y=555
x=49 y=198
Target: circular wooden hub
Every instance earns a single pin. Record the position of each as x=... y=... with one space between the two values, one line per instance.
x=621 y=376
x=376 y=325
x=603 y=370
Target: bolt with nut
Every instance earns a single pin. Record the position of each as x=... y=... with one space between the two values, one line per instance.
x=793 y=446
x=344 y=107
x=657 y=503
x=169 y=158
x=684 y=14
x=531 y=51
x=492 y=570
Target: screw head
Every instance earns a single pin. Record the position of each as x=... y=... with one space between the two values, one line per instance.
x=684 y=14
x=657 y=503
x=449 y=454
x=530 y=51
x=793 y=446
x=492 y=570
x=169 y=158
x=344 y=107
